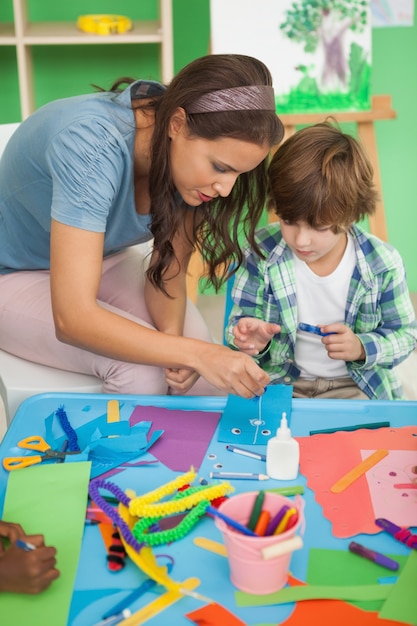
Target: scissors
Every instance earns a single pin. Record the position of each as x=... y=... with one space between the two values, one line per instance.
x=34 y=443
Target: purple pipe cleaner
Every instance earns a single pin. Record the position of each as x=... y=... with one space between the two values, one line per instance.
x=111 y=512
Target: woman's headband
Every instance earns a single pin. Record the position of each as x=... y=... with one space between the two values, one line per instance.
x=250 y=98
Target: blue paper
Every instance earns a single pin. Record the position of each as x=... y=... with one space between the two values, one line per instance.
x=255 y=421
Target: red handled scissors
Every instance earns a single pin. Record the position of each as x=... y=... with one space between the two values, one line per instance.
x=40 y=445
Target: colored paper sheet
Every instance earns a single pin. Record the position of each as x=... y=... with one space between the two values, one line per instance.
x=49 y=500
x=327 y=612
x=391 y=487
x=182 y=445
x=342 y=567
x=255 y=421
x=214 y=614
x=324 y=459
x=315 y=592
x=401 y=603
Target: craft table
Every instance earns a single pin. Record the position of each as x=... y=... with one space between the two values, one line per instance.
x=96 y=589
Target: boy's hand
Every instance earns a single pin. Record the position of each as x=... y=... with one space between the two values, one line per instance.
x=344 y=344
x=253 y=335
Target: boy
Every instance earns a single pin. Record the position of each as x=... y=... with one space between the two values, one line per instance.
x=318 y=267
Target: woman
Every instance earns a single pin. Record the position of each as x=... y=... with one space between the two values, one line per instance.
x=86 y=178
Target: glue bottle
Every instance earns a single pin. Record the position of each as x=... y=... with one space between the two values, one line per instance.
x=282 y=453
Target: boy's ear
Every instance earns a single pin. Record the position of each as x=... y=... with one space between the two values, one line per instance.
x=178 y=122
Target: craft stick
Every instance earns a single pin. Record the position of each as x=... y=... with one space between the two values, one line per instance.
x=160 y=604
x=210 y=545
x=360 y=469
x=113 y=413
x=282 y=547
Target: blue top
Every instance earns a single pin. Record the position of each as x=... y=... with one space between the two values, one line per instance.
x=71 y=160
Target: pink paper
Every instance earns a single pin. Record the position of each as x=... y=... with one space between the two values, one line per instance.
x=326 y=458
x=182 y=444
x=392 y=491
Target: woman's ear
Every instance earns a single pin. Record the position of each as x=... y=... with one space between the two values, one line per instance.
x=178 y=123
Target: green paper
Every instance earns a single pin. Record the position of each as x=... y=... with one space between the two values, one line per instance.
x=50 y=500
x=341 y=567
x=401 y=604
x=315 y=592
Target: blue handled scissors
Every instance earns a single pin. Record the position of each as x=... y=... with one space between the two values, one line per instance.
x=40 y=445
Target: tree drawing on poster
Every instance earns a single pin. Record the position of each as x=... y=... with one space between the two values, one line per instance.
x=318 y=51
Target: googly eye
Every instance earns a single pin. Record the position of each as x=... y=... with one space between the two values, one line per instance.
x=236 y=431
x=212 y=456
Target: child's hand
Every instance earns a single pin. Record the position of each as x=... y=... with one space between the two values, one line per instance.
x=252 y=335
x=24 y=571
x=344 y=344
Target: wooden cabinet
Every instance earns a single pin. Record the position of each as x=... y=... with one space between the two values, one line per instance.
x=23 y=35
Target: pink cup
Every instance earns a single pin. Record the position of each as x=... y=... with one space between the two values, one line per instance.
x=249 y=570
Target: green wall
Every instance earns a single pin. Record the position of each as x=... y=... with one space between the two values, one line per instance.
x=67 y=70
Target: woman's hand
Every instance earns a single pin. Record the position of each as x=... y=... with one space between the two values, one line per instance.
x=180 y=380
x=253 y=335
x=230 y=371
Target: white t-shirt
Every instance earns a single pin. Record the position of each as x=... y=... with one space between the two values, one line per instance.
x=321 y=300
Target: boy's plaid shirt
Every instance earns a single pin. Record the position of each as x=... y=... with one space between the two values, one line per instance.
x=378 y=309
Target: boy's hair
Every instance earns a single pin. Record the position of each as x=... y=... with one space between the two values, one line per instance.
x=323 y=177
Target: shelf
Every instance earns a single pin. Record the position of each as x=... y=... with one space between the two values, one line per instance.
x=23 y=35
x=67 y=33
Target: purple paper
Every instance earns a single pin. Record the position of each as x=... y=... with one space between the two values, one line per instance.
x=182 y=445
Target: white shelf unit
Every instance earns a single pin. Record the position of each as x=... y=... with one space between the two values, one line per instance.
x=23 y=35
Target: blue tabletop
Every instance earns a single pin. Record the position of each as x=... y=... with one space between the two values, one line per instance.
x=96 y=589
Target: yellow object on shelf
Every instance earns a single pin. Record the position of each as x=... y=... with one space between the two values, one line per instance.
x=104 y=24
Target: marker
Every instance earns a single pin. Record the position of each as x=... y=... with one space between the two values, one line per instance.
x=114 y=619
x=256 y=510
x=147 y=585
x=376 y=557
x=336 y=429
x=270 y=529
x=400 y=534
x=238 y=476
x=316 y=330
x=230 y=522
x=25 y=545
x=288 y=491
x=249 y=453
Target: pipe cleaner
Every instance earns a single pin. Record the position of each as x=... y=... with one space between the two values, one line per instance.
x=147 y=505
x=171 y=534
x=68 y=430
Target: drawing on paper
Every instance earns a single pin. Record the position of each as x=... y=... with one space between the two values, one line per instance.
x=319 y=52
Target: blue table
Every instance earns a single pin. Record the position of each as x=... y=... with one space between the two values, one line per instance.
x=96 y=589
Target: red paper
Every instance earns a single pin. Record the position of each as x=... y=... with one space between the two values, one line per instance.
x=327 y=612
x=214 y=615
x=326 y=458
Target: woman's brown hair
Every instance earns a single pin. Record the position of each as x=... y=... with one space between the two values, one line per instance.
x=220 y=223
